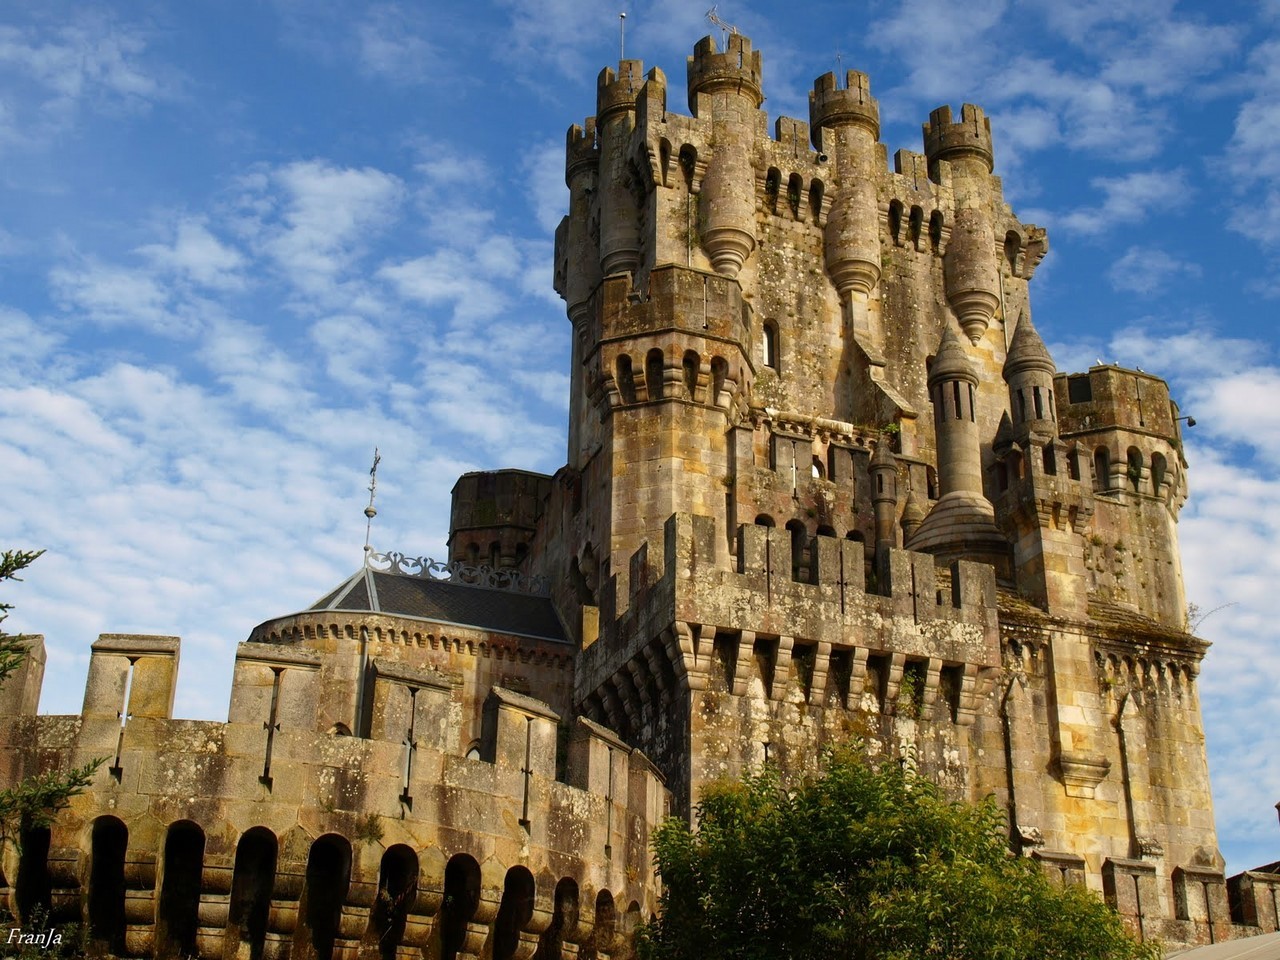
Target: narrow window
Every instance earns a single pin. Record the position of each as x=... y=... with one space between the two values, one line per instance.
x=1102 y=469
x=769 y=345
x=1050 y=461
x=626 y=379
x=252 y=882
x=461 y=898
x=653 y=362
x=178 y=909
x=895 y=221
x=109 y=840
x=690 y=367
x=514 y=913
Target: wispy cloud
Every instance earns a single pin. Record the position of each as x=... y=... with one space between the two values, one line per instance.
x=1146 y=270
x=1129 y=199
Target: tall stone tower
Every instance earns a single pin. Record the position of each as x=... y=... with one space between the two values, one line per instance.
x=825 y=480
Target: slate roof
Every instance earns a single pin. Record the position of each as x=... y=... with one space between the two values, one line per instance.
x=457 y=604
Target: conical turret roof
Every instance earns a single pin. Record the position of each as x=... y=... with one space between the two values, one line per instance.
x=951 y=362
x=1027 y=351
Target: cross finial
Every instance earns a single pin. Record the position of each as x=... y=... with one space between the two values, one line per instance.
x=369 y=511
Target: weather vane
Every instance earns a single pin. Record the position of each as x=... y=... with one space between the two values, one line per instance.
x=369 y=511
x=728 y=28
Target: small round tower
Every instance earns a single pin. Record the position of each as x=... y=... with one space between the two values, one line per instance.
x=727 y=85
x=615 y=120
x=969 y=267
x=961 y=524
x=884 y=493
x=1029 y=370
x=851 y=119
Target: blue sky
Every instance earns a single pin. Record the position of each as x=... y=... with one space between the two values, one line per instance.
x=242 y=243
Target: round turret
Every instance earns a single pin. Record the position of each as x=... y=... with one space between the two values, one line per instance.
x=851 y=239
x=831 y=106
x=737 y=70
x=1029 y=371
x=962 y=522
x=619 y=214
x=617 y=91
x=727 y=203
x=912 y=517
x=884 y=491
x=965 y=141
x=970 y=273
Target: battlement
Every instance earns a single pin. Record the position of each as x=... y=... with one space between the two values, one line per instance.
x=1109 y=397
x=616 y=92
x=581 y=151
x=677 y=298
x=954 y=141
x=832 y=106
x=905 y=606
x=567 y=804
x=738 y=70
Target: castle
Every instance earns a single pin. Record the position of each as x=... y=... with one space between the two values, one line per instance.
x=823 y=481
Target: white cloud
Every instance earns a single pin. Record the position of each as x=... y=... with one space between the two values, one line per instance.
x=199 y=256
x=1146 y=270
x=543 y=167
x=114 y=296
x=392 y=44
x=55 y=73
x=1130 y=198
x=316 y=219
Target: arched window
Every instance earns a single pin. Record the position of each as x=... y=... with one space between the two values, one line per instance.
x=795 y=189
x=769 y=344
x=397 y=888
x=178 y=905
x=107 y=845
x=1159 y=469
x=935 y=230
x=895 y=221
x=689 y=368
x=817 y=469
x=719 y=378
x=324 y=890
x=564 y=917
x=1134 y=467
x=764 y=520
x=915 y=225
x=626 y=379
x=772 y=187
x=815 y=199
x=1101 y=469
x=461 y=898
x=653 y=363
x=606 y=922
x=514 y=912
x=252 y=882
x=931 y=483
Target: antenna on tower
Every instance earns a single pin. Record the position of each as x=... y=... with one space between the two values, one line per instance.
x=728 y=28
x=369 y=511
x=622 y=35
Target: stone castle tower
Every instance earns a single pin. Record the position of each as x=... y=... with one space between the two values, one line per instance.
x=823 y=481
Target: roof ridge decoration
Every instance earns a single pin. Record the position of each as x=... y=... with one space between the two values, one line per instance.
x=457 y=573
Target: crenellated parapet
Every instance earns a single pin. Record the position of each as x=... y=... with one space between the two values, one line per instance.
x=963 y=141
x=737 y=71
x=449 y=789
